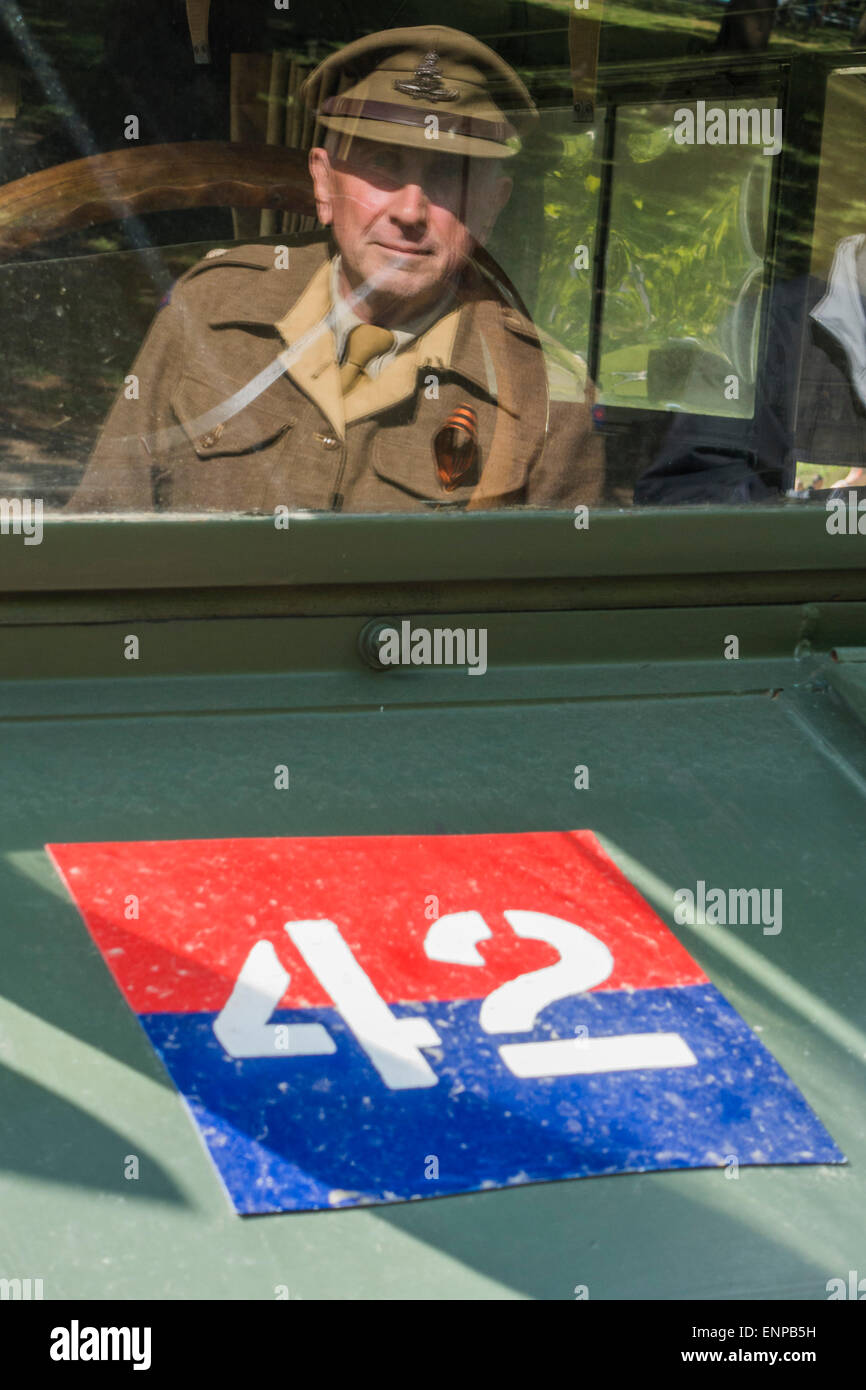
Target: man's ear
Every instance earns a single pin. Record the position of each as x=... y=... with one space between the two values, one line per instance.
x=322 y=175
x=500 y=192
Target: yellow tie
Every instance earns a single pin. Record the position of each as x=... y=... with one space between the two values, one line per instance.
x=365 y=342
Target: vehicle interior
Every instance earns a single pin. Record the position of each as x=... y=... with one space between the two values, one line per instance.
x=151 y=133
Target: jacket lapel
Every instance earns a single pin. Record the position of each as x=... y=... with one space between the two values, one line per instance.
x=433 y=351
x=458 y=343
x=310 y=354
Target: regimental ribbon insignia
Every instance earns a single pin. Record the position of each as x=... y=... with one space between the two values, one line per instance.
x=455 y=446
x=428 y=83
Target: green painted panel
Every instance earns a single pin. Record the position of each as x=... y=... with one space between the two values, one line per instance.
x=740 y=773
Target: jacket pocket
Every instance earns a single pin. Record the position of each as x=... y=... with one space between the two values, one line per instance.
x=413 y=471
x=250 y=429
x=404 y=457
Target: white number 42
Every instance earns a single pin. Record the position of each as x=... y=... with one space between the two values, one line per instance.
x=394 y=1045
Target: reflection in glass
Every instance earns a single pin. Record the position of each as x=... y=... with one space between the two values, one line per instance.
x=697 y=308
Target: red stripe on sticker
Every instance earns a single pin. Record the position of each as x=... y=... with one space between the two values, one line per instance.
x=176 y=919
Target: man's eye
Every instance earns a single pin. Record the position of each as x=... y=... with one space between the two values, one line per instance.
x=446 y=175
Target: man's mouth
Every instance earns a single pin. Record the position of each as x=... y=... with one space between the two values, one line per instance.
x=404 y=250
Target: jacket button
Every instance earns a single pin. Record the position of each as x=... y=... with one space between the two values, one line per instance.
x=327 y=441
x=209 y=439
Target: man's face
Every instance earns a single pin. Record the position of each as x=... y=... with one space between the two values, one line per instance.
x=409 y=217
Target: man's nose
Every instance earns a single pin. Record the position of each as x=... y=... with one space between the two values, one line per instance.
x=409 y=204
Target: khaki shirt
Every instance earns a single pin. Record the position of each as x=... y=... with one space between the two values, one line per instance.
x=203 y=436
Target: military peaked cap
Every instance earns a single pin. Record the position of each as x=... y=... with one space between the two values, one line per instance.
x=385 y=87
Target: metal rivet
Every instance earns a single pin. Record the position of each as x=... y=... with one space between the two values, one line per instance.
x=369 y=643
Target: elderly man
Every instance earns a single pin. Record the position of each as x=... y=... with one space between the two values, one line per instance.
x=382 y=369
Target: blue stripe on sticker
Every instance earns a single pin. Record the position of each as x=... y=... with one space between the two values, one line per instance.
x=308 y=1132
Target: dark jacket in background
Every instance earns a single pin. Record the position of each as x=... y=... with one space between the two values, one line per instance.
x=806 y=408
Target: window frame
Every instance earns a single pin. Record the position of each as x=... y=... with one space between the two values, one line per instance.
x=641 y=558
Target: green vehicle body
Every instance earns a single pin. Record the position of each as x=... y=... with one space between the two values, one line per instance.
x=607 y=651
x=609 y=647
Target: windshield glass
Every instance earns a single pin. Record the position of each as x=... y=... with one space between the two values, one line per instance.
x=565 y=256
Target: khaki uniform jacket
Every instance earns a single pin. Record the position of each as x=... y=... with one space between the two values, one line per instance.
x=203 y=434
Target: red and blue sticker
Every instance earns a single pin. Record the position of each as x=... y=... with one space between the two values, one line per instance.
x=382 y=1018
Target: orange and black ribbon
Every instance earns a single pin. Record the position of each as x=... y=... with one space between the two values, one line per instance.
x=455 y=446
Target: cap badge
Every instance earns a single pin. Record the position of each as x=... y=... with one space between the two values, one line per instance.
x=428 y=82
